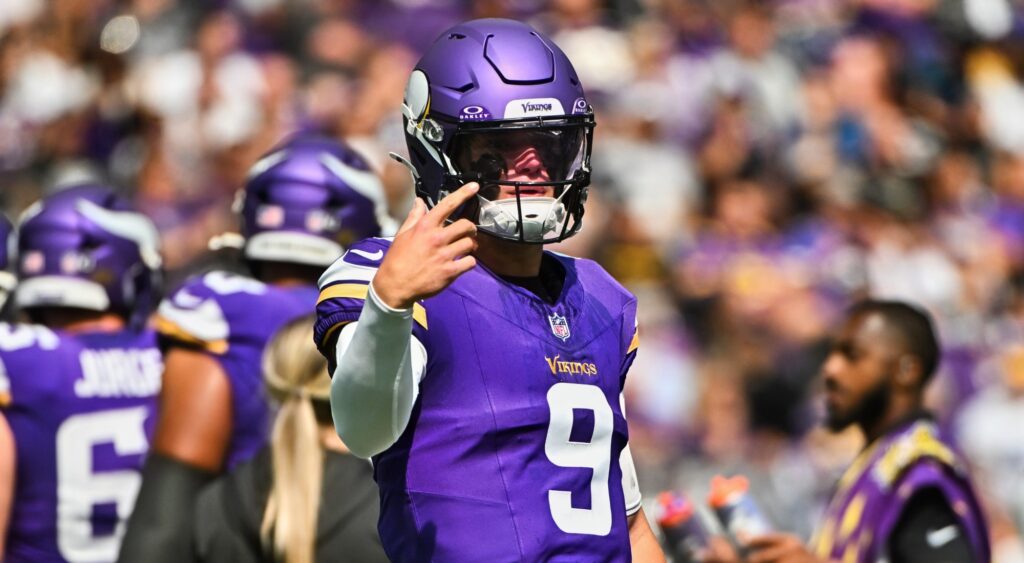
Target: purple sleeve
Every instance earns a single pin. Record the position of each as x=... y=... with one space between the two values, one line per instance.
x=343 y=290
x=24 y=348
x=630 y=337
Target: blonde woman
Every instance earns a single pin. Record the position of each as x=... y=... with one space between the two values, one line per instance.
x=304 y=498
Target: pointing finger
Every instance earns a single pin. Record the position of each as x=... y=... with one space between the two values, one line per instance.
x=449 y=204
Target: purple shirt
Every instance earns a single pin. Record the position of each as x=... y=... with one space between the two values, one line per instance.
x=232 y=318
x=872 y=494
x=512 y=451
x=81 y=409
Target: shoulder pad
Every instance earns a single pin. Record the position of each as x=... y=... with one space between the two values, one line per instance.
x=197 y=312
x=920 y=443
x=20 y=345
x=358 y=264
x=14 y=337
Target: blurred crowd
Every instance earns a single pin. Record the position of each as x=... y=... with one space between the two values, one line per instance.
x=758 y=165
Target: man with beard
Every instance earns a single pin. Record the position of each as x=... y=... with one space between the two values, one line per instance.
x=907 y=496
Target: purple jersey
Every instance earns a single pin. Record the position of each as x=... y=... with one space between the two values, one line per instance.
x=81 y=409
x=232 y=318
x=871 y=495
x=512 y=452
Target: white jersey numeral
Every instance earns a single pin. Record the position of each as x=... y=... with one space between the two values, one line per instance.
x=79 y=487
x=563 y=398
x=19 y=336
x=225 y=283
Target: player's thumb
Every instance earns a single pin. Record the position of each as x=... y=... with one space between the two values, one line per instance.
x=415 y=214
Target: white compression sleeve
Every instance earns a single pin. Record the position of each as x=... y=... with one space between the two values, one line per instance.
x=377 y=378
x=630 y=484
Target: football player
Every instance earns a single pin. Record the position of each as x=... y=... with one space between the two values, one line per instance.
x=302 y=204
x=78 y=389
x=482 y=374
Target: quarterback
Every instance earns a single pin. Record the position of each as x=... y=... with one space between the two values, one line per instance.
x=483 y=374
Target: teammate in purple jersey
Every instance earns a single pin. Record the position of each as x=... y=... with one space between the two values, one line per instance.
x=303 y=203
x=907 y=497
x=78 y=388
x=7 y=277
x=497 y=429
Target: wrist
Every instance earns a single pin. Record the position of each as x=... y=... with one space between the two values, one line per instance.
x=388 y=300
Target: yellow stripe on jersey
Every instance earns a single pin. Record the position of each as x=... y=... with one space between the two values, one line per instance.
x=635 y=343
x=170 y=328
x=344 y=291
x=359 y=291
x=5 y=399
x=330 y=332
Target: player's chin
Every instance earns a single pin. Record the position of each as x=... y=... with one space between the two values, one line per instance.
x=835 y=419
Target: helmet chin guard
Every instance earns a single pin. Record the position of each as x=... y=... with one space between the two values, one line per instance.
x=530 y=220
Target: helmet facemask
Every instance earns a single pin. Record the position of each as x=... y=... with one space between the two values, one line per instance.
x=484 y=92
x=533 y=176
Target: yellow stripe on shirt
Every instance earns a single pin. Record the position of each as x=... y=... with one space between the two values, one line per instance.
x=359 y=291
x=169 y=328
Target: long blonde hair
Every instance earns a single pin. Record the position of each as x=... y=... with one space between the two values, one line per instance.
x=295 y=374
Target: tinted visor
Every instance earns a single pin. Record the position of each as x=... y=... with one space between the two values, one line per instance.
x=519 y=155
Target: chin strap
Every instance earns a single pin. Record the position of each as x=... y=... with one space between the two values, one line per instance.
x=405 y=162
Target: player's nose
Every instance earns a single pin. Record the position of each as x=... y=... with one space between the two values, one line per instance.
x=527 y=165
x=832 y=366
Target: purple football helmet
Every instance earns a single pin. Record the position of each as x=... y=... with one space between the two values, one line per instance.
x=86 y=247
x=493 y=101
x=308 y=199
x=7 y=250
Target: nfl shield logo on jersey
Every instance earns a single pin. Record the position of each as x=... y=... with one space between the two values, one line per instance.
x=559 y=326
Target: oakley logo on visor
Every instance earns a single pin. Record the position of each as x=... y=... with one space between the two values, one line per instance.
x=533 y=107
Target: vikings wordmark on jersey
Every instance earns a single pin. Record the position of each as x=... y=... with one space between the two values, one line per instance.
x=232 y=318
x=81 y=409
x=516 y=428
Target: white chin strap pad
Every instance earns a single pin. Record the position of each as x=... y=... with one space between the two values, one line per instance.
x=542 y=217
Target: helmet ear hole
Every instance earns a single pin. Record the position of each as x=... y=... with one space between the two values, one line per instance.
x=417 y=96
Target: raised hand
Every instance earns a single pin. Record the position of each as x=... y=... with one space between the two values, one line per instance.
x=427 y=255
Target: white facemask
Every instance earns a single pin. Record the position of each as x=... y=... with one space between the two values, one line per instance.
x=542 y=217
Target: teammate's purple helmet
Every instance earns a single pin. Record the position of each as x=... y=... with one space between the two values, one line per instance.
x=309 y=198
x=86 y=247
x=495 y=102
x=7 y=251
